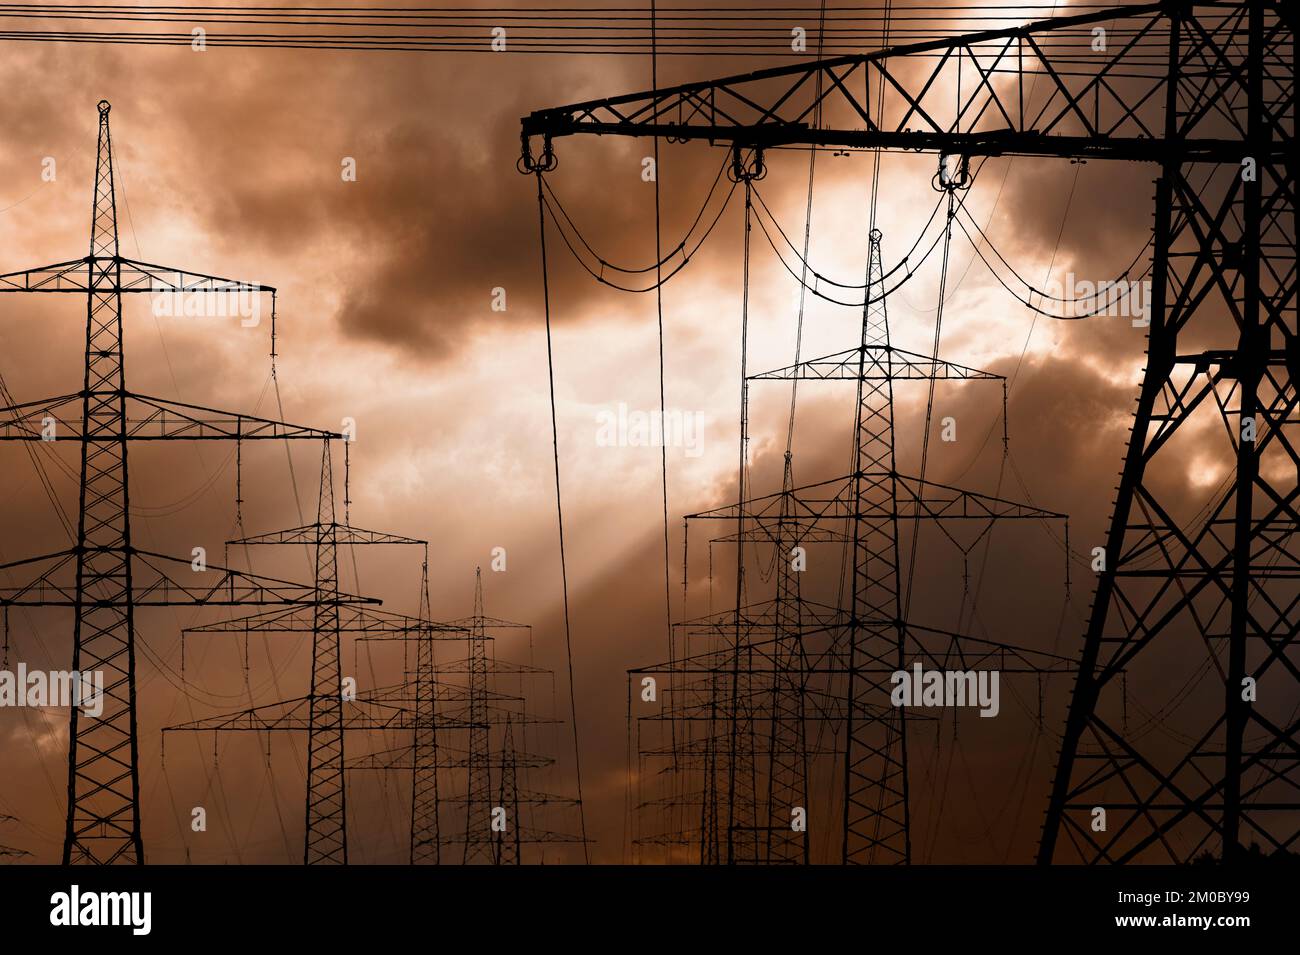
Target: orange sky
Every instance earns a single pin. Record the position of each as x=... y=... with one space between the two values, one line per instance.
x=228 y=162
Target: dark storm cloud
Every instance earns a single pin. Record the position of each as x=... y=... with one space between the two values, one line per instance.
x=387 y=288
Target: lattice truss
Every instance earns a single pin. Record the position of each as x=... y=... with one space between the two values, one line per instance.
x=1197 y=606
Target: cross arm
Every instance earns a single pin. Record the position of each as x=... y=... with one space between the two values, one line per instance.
x=295 y=714
x=310 y=534
x=833 y=500
x=129 y=274
x=148 y=419
x=403 y=757
x=352 y=619
x=877 y=363
x=157 y=580
x=1039 y=89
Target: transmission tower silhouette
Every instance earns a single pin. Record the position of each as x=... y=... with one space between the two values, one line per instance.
x=330 y=707
x=103 y=577
x=479 y=709
x=1222 y=347
x=1205 y=94
x=780 y=654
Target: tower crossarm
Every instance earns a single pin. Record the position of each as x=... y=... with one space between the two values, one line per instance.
x=343 y=534
x=383 y=624
x=450 y=698
x=1039 y=89
x=402 y=757
x=933 y=648
x=834 y=500
x=526 y=834
x=147 y=419
x=488 y=623
x=295 y=714
x=876 y=363
x=128 y=275
x=527 y=797
x=157 y=580
x=944 y=650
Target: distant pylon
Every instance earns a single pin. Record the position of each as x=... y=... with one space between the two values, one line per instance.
x=478 y=813
x=762 y=655
x=506 y=843
x=325 y=807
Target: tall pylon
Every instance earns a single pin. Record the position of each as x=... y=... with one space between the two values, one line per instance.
x=877 y=819
x=506 y=844
x=788 y=758
x=104 y=577
x=426 y=829
x=325 y=808
x=478 y=822
x=1207 y=99
x=1207 y=591
x=775 y=649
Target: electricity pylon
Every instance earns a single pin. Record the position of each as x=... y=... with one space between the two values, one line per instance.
x=475 y=707
x=481 y=843
x=426 y=826
x=325 y=808
x=369 y=623
x=7 y=852
x=478 y=837
x=103 y=577
x=861 y=649
x=1205 y=93
x=505 y=848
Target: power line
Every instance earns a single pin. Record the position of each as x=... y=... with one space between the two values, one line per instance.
x=559 y=514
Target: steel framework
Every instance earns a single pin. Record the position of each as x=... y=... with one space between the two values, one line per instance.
x=1206 y=93
x=326 y=803
x=477 y=707
x=779 y=684
x=103 y=577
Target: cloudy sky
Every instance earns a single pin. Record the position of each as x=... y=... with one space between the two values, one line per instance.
x=229 y=162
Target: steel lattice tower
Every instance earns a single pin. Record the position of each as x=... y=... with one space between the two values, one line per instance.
x=110 y=576
x=1219 y=584
x=325 y=807
x=787 y=776
x=473 y=708
x=790 y=652
x=104 y=628
x=506 y=845
x=478 y=833
x=875 y=759
x=1205 y=93
x=426 y=833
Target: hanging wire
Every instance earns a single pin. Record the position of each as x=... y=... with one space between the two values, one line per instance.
x=273 y=356
x=239 y=473
x=929 y=407
x=559 y=510
x=347 y=492
x=663 y=405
